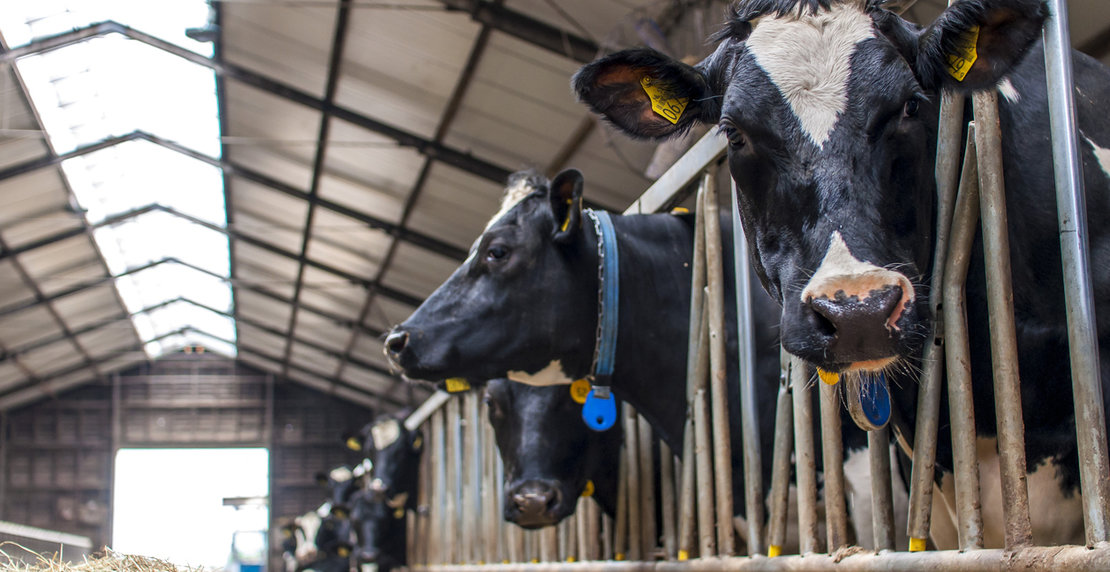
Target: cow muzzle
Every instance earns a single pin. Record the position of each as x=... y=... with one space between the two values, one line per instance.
x=533 y=504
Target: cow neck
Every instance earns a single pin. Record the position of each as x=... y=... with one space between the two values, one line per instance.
x=608 y=303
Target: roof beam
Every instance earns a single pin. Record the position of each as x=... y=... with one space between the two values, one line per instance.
x=496 y=16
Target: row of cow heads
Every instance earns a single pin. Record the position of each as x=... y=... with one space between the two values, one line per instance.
x=829 y=108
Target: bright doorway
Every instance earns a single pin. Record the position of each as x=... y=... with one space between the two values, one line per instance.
x=169 y=503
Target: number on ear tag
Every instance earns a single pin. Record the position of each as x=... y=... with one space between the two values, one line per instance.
x=869 y=405
x=599 y=413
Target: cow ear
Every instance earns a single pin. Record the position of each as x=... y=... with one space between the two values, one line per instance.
x=645 y=93
x=566 y=204
x=973 y=45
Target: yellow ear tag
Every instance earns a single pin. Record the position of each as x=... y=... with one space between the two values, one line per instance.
x=960 y=62
x=566 y=221
x=683 y=555
x=399 y=512
x=588 y=490
x=354 y=444
x=680 y=210
x=669 y=108
x=286 y=533
x=417 y=442
x=828 y=377
x=343 y=551
x=917 y=544
x=456 y=384
x=774 y=550
x=579 y=390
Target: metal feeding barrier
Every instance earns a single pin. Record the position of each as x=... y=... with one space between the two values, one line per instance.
x=462 y=474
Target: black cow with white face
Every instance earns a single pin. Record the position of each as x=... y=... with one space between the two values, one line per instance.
x=550 y=456
x=830 y=110
x=379 y=509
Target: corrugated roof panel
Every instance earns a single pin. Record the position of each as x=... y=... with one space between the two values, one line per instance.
x=371 y=380
x=613 y=166
x=587 y=18
x=46 y=360
x=264 y=268
x=329 y=387
x=34 y=207
x=385 y=313
x=455 y=206
x=27 y=327
x=313 y=360
x=334 y=298
x=21 y=139
x=270 y=134
x=512 y=121
x=347 y=244
x=382 y=204
x=370 y=160
x=319 y=330
x=13 y=290
x=268 y=215
x=401 y=66
x=258 y=338
x=264 y=310
x=321 y=282
x=370 y=349
x=10 y=375
x=88 y=306
x=109 y=339
x=54 y=265
x=289 y=42
x=418 y=271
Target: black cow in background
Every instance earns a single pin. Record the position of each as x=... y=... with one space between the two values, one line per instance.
x=830 y=110
x=392 y=486
x=549 y=453
x=524 y=305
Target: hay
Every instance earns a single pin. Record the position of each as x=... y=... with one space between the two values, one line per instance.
x=17 y=558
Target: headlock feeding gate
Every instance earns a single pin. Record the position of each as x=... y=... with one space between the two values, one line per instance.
x=678 y=513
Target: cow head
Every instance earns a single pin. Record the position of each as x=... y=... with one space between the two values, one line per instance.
x=395 y=453
x=339 y=484
x=829 y=108
x=513 y=309
x=548 y=452
x=380 y=530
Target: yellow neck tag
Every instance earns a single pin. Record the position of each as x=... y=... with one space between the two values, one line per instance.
x=828 y=377
x=456 y=384
x=579 y=390
x=669 y=108
x=354 y=444
x=588 y=490
x=960 y=62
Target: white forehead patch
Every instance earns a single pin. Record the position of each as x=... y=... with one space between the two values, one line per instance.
x=521 y=188
x=1103 y=155
x=385 y=433
x=808 y=57
x=340 y=474
x=552 y=374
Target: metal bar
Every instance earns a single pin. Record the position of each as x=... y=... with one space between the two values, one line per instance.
x=648 y=533
x=832 y=452
x=1078 y=293
x=549 y=544
x=665 y=192
x=946 y=173
x=667 y=499
x=882 y=496
x=530 y=30
x=969 y=525
x=805 y=457
x=631 y=452
x=1000 y=305
x=471 y=476
x=620 y=526
x=454 y=484
x=1031 y=559
x=430 y=405
x=608 y=538
x=718 y=380
x=780 y=465
x=702 y=456
x=439 y=441
x=749 y=400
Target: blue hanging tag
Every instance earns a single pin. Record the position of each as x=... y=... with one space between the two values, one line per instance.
x=870 y=405
x=599 y=413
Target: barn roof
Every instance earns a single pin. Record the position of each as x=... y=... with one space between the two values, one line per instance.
x=279 y=181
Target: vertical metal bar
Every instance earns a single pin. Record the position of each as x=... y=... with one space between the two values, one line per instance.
x=1074 y=249
x=620 y=527
x=882 y=497
x=702 y=452
x=946 y=173
x=780 y=464
x=969 y=525
x=570 y=553
x=4 y=466
x=667 y=498
x=439 y=429
x=1000 y=306
x=648 y=534
x=686 y=522
x=718 y=380
x=749 y=401
x=582 y=509
x=454 y=482
x=490 y=516
x=805 y=457
x=423 y=538
x=832 y=451
x=469 y=474
x=608 y=538
x=549 y=544
x=631 y=453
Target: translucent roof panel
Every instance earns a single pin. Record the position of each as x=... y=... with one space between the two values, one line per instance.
x=26 y=20
x=171 y=262
x=111 y=85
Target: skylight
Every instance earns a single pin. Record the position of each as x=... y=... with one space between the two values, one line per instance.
x=170 y=258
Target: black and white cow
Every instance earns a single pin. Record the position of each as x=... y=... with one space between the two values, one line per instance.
x=830 y=110
x=524 y=306
x=549 y=454
x=379 y=509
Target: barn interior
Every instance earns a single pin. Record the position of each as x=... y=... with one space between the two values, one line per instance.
x=212 y=211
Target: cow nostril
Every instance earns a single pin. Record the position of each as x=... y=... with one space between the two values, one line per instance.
x=395 y=342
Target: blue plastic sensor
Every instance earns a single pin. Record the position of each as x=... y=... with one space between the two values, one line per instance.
x=599 y=413
x=875 y=400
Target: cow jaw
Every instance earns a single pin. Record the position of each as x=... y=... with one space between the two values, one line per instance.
x=552 y=374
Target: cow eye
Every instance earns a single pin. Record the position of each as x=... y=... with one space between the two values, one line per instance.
x=911 y=108
x=496 y=252
x=735 y=136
